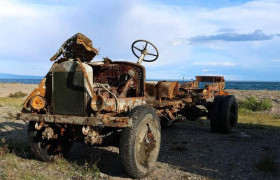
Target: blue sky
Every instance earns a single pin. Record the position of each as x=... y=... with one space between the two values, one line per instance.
x=237 y=39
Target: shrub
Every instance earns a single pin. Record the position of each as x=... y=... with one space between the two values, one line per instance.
x=18 y=94
x=265 y=104
x=253 y=104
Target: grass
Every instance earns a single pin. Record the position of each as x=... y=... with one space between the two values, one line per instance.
x=32 y=169
x=255 y=120
x=17 y=162
x=12 y=102
x=259 y=119
x=18 y=94
x=4 y=147
x=28 y=168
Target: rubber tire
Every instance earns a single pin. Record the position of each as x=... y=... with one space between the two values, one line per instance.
x=229 y=115
x=215 y=114
x=128 y=141
x=46 y=150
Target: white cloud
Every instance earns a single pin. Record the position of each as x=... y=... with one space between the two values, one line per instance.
x=257 y=35
x=30 y=30
x=212 y=63
x=207 y=70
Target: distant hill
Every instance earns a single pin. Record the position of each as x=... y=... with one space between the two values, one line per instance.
x=16 y=76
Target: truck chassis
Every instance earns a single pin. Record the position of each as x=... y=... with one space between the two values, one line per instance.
x=110 y=102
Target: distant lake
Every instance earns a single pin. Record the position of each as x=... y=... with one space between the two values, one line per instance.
x=24 y=81
x=241 y=85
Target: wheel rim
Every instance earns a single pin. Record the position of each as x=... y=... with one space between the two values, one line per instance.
x=147 y=143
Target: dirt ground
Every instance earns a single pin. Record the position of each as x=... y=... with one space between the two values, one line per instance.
x=7 y=88
x=188 y=150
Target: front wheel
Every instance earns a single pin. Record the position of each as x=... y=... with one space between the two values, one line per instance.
x=47 y=150
x=140 y=144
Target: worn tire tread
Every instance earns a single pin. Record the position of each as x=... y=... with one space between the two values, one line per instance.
x=126 y=140
x=226 y=126
x=215 y=114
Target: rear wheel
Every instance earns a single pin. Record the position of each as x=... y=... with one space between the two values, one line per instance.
x=224 y=114
x=47 y=150
x=229 y=114
x=140 y=144
x=215 y=114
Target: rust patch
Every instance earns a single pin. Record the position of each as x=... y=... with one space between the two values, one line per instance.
x=167 y=89
x=77 y=120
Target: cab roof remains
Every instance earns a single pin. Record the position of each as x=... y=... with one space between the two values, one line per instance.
x=78 y=46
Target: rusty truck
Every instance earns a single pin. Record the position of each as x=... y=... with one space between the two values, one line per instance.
x=80 y=100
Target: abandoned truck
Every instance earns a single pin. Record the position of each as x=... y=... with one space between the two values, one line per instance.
x=93 y=102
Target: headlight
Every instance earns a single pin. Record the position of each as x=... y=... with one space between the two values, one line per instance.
x=97 y=103
x=38 y=102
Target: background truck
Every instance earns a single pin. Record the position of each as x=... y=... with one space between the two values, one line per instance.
x=99 y=102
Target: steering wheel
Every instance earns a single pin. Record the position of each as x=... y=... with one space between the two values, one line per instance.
x=144 y=51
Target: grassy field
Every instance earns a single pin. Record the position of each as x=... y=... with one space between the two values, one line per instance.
x=11 y=102
x=18 y=163
x=258 y=118
x=14 y=167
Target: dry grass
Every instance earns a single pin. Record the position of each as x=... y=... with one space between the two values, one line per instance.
x=11 y=116
x=259 y=118
x=4 y=147
x=15 y=167
x=17 y=163
x=12 y=102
